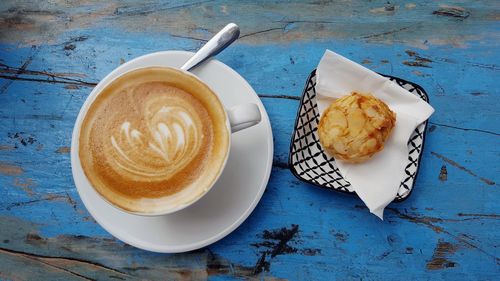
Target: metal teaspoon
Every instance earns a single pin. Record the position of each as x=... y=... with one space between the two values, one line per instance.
x=215 y=45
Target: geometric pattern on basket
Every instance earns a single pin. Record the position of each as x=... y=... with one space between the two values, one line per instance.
x=309 y=163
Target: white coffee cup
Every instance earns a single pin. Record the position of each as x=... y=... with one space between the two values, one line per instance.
x=238 y=117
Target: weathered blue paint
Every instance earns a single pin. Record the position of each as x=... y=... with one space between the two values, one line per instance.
x=447 y=229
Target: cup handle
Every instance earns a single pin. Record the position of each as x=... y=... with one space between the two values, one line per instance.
x=243 y=116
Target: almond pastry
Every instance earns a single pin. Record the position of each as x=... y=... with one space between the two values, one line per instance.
x=355 y=127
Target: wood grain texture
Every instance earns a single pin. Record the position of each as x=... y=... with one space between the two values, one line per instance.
x=53 y=53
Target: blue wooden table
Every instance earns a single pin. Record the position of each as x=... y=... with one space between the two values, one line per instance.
x=52 y=54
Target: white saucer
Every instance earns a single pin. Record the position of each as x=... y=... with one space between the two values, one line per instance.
x=223 y=208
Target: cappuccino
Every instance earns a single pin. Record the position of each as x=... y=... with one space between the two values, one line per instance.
x=153 y=136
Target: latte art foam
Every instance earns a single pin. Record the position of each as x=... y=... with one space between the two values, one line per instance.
x=152 y=137
x=172 y=136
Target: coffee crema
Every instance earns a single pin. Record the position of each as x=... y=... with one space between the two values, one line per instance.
x=153 y=138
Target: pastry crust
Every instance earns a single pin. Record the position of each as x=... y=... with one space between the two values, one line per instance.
x=355 y=127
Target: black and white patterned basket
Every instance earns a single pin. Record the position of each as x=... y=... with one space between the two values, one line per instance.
x=309 y=163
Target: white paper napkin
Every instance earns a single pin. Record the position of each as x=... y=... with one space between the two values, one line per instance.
x=377 y=180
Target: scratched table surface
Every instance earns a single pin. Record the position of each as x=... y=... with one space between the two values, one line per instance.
x=52 y=53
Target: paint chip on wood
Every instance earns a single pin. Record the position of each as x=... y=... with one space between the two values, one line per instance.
x=71 y=87
x=452 y=11
x=410 y=6
x=439 y=258
x=5 y=147
x=443 y=174
x=63 y=149
x=10 y=170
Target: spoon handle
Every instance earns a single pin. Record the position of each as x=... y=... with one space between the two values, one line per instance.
x=214 y=46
